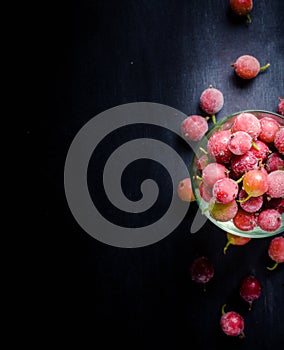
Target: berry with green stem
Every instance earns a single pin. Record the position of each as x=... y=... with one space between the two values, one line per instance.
x=276 y=251
x=248 y=67
x=235 y=240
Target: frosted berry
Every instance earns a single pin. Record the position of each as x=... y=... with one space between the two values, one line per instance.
x=232 y=323
x=217 y=146
x=276 y=251
x=275 y=181
x=269 y=128
x=242 y=8
x=248 y=67
x=194 y=127
x=279 y=140
x=247 y=122
x=184 y=190
x=202 y=270
x=250 y=289
x=211 y=101
x=269 y=220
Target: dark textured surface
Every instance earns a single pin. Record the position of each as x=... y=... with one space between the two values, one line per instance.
x=106 y=53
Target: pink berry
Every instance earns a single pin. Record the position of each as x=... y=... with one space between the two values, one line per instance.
x=225 y=190
x=217 y=146
x=269 y=220
x=202 y=162
x=194 y=127
x=214 y=172
x=250 y=289
x=253 y=204
x=201 y=270
x=243 y=163
x=280 y=107
x=184 y=190
x=255 y=183
x=260 y=150
x=248 y=67
x=211 y=100
x=279 y=140
x=269 y=128
x=276 y=251
x=247 y=122
x=274 y=162
x=232 y=323
x=242 y=8
x=240 y=142
x=275 y=181
x=235 y=240
x=205 y=192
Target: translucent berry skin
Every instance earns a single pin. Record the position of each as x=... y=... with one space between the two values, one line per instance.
x=245 y=221
x=269 y=220
x=217 y=146
x=184 y=190
x=214 y=172
x=247 y=122
x=235 y=240
x=275 y=181
x=194 y=127
x=274 y=162
x=225 y=190
x=202 y=162
x=269 y=128
x=211 y=100
x=253 y=204
x=232 y=323
x=262 y=150
x=222 y=212
x=255 y=183
x=276 y=249
x=279 y=141
x=243 y=163
x=250 y=289
x=201 y=270
x=205 y=192
x=280 y=107
x=240 y=142
x=241 y=7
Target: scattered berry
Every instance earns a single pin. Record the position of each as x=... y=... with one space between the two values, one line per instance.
x=184 y=190
x=250 y=289
x=242 y=8
x=202 y=270
x=248 y=67
x=194 y=127
x=276 y=251
x=235 y=240
x=232 y=323
x=222 y=212
x=211 y=101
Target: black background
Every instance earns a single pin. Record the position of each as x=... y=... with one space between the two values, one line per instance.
x=100 y=54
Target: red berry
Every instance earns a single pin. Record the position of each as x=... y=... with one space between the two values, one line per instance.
x=255 y=183
x=232 y=323
x=225 y=190
x=217 y=146
x=245 y=221
x=205 y=192
x=211 y=100
x=279 y=141
x=252 y=205
x=250 y=289
x=247 y=67
x=243 y=163
x=242 y=8
x=222 y=212
x=269 y=128
x=240 y=142
x=194 y=127
x=269 y=220
x=202 y=270
x=276 y=251
x=260 y=150
x=247 y=122
x=235 y=240
x=274 y=162
x=214 y=172
x=184 y=190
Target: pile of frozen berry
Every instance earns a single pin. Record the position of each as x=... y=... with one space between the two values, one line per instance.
x=241 y=173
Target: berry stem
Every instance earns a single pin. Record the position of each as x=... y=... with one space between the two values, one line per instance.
x=242 y=335
x=248 y=18
x=197 y=177
x=261 y=69
x=240 y=179
x=244 y=200
x=226 y=246
x=223 y=309
x=273 y=267
x=255 y=146
x=214 y=119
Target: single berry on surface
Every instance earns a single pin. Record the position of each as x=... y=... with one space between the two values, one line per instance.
x=211 y=101
x=232 y=323
x=242 y=8
x=235 y=240
x=276 y=251
x=194 y=127
x=250 y=289
x=202 y=270
x=248 y=67
x=184 y=190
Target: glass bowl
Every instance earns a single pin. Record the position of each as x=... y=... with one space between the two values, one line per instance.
x=228 y=226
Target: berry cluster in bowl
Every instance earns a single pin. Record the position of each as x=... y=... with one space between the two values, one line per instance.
x=237 y=174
